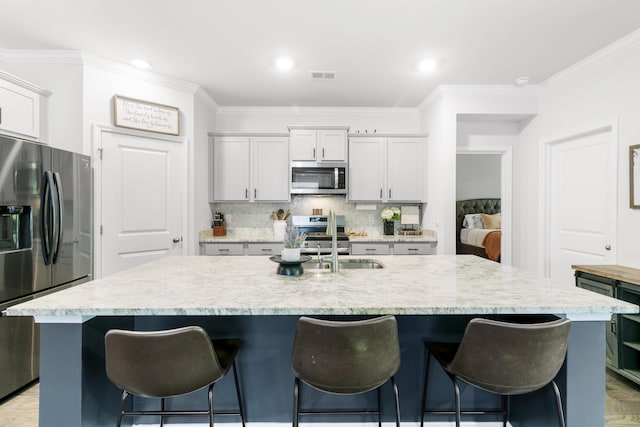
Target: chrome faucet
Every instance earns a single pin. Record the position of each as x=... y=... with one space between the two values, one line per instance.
x=332 y=229
x=319 y=258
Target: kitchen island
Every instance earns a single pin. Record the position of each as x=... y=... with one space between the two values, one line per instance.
x=432 y=296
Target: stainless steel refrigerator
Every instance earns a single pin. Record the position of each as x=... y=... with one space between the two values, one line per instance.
x=45 y=242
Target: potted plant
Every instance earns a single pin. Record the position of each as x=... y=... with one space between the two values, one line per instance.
x=389 y=215
x=293 y=239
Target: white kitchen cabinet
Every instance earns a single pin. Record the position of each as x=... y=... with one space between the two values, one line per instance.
x=414 y=248
x=370 y=249
x=387 y=169
x=322 y=145
x=20 y=106
x=265 y=248
x=250 y=168
x=223 y=249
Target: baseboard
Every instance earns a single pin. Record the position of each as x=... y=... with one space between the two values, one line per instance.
x=312 y=424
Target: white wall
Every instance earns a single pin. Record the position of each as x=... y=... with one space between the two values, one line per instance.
x=600 y=89
x=276 y=119
x=478 y=176
x=64 y=80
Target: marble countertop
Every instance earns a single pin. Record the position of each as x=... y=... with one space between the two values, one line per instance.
x=407 y=285
x=265 y=235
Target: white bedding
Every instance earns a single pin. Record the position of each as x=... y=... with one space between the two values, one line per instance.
x=475 y=236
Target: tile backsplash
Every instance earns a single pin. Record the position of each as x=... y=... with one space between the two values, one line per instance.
x=244 y=215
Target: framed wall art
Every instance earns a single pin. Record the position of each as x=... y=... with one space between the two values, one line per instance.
x=143 y=115
x=634 y=177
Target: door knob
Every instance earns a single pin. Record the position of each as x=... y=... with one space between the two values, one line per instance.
x=177 y=239
x=608 y=247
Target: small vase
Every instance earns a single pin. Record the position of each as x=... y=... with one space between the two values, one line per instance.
x=388 y=228
x=291 y=254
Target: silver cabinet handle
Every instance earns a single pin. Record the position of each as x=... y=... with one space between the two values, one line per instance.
x=223 y=250
x=370 y=249
x=177 y=239
x=266 y=250
x=246 y=193
x=381 y=193
x=323 y=153
x=389 y=193
x=314 y=153
x=255 y=193
x=607 y=247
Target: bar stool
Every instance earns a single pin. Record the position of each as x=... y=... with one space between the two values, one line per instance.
x=502 y=358
x=163 y=364
x=344 y=358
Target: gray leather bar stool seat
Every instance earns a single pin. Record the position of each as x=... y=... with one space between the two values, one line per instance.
x=345 y=357
x=502 y=358
x=163 y=364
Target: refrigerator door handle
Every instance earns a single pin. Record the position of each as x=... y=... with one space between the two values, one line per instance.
x=46 y=212
x=57 y=217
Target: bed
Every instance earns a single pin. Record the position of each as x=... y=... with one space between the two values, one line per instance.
x=469 y=241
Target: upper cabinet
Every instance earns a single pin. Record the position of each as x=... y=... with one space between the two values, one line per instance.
x=387 y=169
x=21 y=105
x=249 y=168
x=326 y=144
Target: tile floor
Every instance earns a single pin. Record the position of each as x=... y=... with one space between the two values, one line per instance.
x=622 y=405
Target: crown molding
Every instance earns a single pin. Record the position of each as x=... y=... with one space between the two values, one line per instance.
x=605 y=54
x=23 y=83
x=316 y=111
x=23 y=56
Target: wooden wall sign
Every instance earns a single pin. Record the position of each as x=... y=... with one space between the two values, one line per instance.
x=142 y=115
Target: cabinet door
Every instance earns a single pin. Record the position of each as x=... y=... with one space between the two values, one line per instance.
x=405 y=162
x=303 y=144
x=332 y=145
x=19 y=110
x=270 y=169
x=231 y=168
x=366 y=169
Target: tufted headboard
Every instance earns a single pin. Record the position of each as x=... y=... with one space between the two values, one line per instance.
x=463 y=207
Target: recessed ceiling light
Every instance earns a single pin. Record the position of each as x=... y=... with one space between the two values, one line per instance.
x=284 y=63
x=427 y=65
x=140 y=63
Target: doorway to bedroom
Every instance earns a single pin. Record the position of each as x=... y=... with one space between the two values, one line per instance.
x=484 y=180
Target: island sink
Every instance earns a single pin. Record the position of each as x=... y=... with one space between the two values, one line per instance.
x=352 y=263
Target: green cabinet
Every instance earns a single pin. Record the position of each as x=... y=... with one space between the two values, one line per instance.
x=623 y=331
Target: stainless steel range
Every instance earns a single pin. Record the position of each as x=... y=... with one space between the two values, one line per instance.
x=315 y=226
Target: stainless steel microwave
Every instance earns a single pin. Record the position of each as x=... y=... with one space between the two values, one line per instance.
x=318 y=178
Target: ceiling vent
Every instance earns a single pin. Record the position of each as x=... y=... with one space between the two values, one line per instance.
x=323 y=75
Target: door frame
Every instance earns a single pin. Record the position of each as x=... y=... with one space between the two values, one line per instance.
x=545 y=183
x=96 y=154
x=506 y=193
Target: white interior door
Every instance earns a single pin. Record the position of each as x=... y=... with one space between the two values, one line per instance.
x=582 y=202
x=142 y=199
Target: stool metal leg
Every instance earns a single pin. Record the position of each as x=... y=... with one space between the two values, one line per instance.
x=240 y=403
x=456 y=389
x=122 y=399
x=296 y=401
x=162 y=409
x=210 y=404
x=397 y=400
x=378 y=394
x=424 y=388
x=558 y=403
x=505 y=406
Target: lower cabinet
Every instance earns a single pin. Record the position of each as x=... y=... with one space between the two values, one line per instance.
x=241 y=248
x=222 y=249
x=396 y=248
x=623 y=332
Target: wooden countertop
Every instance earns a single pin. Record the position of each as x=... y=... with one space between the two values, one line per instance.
x=615 y=272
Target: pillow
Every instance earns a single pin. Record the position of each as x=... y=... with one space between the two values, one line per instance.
x=492 y=221
x=473 y=221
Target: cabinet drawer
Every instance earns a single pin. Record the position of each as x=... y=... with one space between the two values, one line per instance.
x=414 y=249
x=592 y=285
x=224 y=249
x=369 y=249
x=265 y=248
